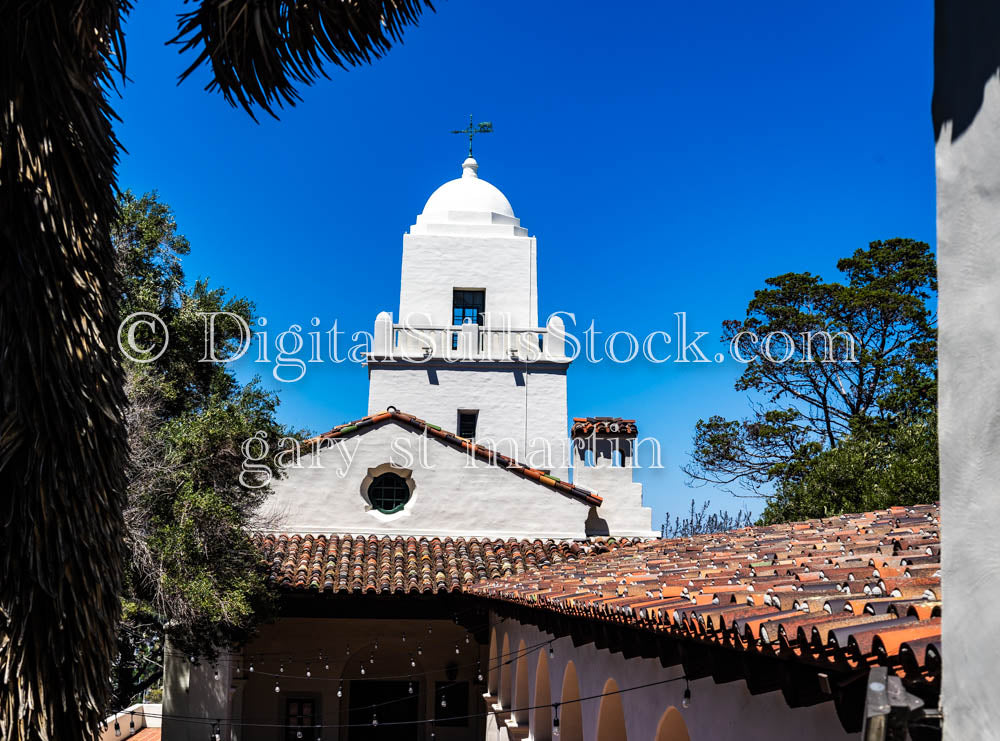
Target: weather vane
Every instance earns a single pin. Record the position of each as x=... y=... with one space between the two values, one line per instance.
x=485 y=127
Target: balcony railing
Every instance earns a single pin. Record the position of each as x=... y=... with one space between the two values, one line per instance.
x=468 y=342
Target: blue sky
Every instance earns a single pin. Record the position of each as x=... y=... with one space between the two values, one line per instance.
x=669 y=157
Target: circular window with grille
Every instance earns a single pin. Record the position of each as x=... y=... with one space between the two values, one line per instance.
x=388 y=493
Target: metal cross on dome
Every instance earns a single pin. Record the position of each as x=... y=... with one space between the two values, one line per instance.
x=484 y=127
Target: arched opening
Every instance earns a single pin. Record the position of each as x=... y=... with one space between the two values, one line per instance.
x=541 y=716
x=521 y=684
x=611 y=717
x=493 y=666
x=672 y=727
x=570 y=714
x=504 y=660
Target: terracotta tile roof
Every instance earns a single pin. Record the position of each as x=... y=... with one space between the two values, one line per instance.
x=585 y=426
x=840 y=593
x=385 y=564
x=461 y=443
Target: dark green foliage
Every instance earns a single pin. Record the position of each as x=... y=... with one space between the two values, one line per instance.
x=193 y=563
x=853 y=433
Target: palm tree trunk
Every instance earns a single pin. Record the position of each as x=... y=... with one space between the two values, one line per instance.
x=62 y=438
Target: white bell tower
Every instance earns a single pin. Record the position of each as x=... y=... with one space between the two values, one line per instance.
x=466 y=351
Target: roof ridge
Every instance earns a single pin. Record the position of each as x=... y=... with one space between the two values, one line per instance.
x=456 y=441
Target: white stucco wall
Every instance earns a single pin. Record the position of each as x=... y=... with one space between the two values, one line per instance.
x=435 y=265
x=968 y=182
x=452 y=494
x=718 y=711
x=521 y=406
x=192 y=691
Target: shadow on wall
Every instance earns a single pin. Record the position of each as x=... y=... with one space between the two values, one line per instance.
x=966 y=56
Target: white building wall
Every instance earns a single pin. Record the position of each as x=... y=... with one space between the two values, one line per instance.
x=522 y=407
x=453 y=495
x=967 y=109
x=435 y=265
x=718 y=711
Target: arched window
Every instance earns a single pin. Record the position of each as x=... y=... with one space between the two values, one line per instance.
x=672 y=727
x=388 y=493
x=611 y=716
x=541 y=716
x=570 y=715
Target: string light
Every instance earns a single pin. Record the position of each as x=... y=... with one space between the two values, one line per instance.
x=479 y=672
x=215 y=676
x=362 y=670
x=467 y=637
x=131 y=723
x=686 y=701
x=298 y=733
x=375 y=645
x=348 y=651
x=371 y=658
x=308 y=671
x=444 y=701
x=118 y=728
x=318 y=731
x=552 y=651
x=411 y=688
x=374 y=720
x=555 y=719
x=420 y=649
x=404 y=637
x=430 y=629
x=340 y=690
x=413 y=661
x=277 y=687
x=216 y=732
x=456 y=648
x=251 y=665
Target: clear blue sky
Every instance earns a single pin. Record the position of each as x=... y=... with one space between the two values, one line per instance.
x=669 y=156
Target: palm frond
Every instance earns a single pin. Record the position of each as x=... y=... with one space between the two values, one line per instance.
x=258 y=50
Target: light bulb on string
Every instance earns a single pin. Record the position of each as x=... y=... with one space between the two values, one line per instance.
x=298 y=733
x=555 y=719
x=420 y=649
x=316 y=734
x=281 y=667
x=686 y=701
x=340 y=690
x=429 y=629
x=375 y=645
x=216 y=731
x=444 y=701
x=251 y=665
x=348 y=651
x=118 y=728
x=277 y=687
x=404 y=637
x=374 y=720
x=479 y=672
x=308 y=671
x=411 y=688
x=413 y=661
x=371 y=658
x=456 y=648
x=131 y=723
x=552 y=651
x=362 y=670
x=467 y=637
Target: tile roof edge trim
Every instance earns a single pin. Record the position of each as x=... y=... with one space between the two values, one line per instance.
x=459 y=443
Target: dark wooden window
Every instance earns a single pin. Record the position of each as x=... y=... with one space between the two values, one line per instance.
x=467 y=423
x=388 y=493
x=300 y=717
x=468 y=307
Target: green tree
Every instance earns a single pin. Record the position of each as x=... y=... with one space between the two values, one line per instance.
x=847 y=389
x=62 y=434
x=194 y=573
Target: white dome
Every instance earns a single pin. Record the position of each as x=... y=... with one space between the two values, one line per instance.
x=469 y=194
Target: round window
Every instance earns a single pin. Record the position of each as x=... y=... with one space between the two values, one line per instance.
x=388 y=493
